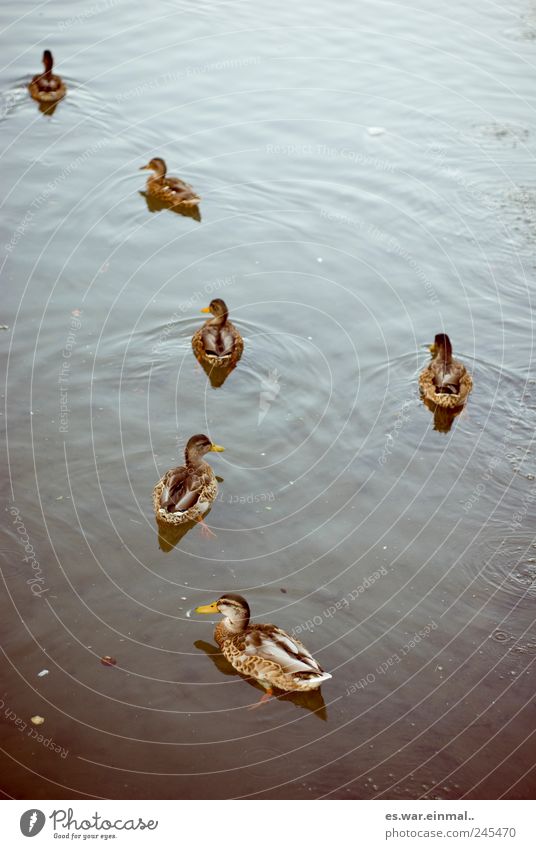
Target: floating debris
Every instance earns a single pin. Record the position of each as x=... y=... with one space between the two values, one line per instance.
x=37 y=720
x=108 y=661
x=376 y=131
x=42 y=673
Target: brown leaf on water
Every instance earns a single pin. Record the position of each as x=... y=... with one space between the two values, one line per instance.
x=108 y=661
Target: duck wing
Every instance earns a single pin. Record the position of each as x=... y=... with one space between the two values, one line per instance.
x=217 y=341
x=179 y=187
x=447 y=377
x=273 y=644
x=181 y=490
x=46 y=84
x=226 y=340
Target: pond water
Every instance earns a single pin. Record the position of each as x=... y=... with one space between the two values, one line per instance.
x=366 y=174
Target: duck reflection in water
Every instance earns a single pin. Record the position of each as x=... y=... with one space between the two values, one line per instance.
x=443 y=417
x=47 y=109
x=217 y=375
x=169 y=536
x=157 y=205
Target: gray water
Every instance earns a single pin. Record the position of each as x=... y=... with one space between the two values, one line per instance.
x=367 y=180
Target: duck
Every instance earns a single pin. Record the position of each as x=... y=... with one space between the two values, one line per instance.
x=185 y=493
x=265 y=653
x=169 y=189
x=47 y=87
x=445 y=381
x=218 y=343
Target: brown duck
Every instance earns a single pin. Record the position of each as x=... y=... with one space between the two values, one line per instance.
x=445 y=381
x=184 y=494
x=47 y=87
x=218 y=343
x=263 y=652
x=169 y=189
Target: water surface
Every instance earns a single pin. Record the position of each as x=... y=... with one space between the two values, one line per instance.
x=366 y=183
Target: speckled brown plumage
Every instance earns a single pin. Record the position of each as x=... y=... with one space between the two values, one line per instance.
x=260 y=668
x=457 y=399
x=208 y=490
x=230 y=359
x=185 y=493
x=264 y=652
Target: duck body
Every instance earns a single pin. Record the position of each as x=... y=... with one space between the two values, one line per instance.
x=185 y=493
x=263 y=652
x=445 y=381
x=171 y=190
x=47 y=87
x=218 y=342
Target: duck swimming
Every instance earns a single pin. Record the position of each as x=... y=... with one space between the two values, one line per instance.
x=445 y=381
x=263 y=652
x=169 y=189
x=47 y=87
x=218 y=342
x=184 y=494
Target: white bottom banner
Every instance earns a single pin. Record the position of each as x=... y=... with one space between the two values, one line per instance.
x=365 y=823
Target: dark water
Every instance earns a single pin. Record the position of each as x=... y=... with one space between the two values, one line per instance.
x=404 y=556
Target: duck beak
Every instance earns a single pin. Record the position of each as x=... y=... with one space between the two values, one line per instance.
x=205 y=309
x=145 y=167
x=432 y=348
x=208 y=608
x=217 y=448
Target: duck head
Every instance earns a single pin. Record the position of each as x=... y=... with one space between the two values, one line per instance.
x=234 y=609
x=157 y=165
x=197 y=446
x=218 y=309
x=48 y=61
x=441 y=346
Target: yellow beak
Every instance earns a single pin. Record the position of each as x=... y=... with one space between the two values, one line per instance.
x=432 y=348
x=205 y=309
x=208 y=608
x=145 y=167
x=217 y=447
